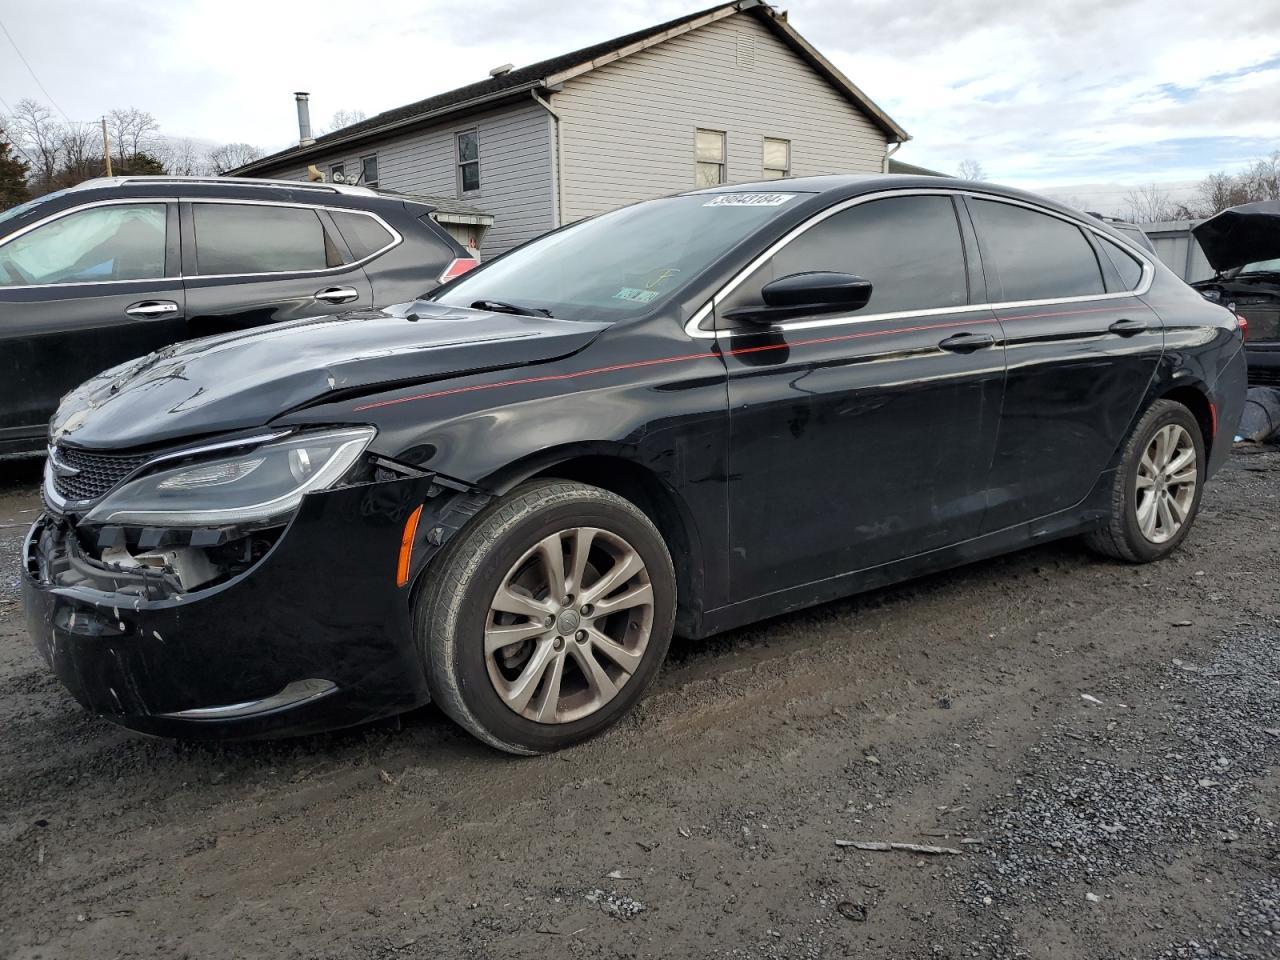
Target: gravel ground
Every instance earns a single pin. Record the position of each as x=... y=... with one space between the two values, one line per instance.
x=1097 y=742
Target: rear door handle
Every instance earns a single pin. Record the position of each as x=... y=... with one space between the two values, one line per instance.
x=151 y=309
x=967 y=342
x=337 y=295
x=1127 y=328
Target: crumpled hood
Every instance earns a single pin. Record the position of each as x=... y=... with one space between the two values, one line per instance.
x=1244 y=234
x=245 y=379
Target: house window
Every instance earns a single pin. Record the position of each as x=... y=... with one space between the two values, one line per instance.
x=369 y=170
x=777 y=158
x=709 y=158
x=468 y=161
x=337 y=173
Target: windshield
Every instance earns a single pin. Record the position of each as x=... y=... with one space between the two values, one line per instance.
x=620 y=264
x=30 y=205
x=1262 y=266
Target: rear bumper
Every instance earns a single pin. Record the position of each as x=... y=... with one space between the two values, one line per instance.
x=1228 y=398
x=316 y=636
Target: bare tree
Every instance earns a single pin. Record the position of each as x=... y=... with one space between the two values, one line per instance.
x=229 y=156
x=81 y=150
x=133 y=132
x=343 y=118
x=1149 y=204
x=972 y=170
x=181 y=157
x=35 y=129
x=1261 y=179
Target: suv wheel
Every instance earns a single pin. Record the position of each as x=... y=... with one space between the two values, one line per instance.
x=1156 y=492
x=544 y=622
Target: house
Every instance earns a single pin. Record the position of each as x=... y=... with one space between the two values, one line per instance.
x=729 y=94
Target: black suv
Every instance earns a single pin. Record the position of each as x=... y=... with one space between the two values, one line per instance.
x=113 y=269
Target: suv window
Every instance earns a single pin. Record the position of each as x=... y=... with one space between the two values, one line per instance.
x=908 y=247
x=234 y=238
x=364 y=235
x=1038 y=257
x=115 y=242
x=1126 y=264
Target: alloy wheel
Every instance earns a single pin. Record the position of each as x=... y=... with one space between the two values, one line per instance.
x=569 y=625
x=1166 y=483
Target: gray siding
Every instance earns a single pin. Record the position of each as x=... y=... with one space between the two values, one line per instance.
x=628 y=127
x=516 y=173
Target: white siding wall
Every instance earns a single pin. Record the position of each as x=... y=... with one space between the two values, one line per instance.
x=516 y=180
x=628 y=127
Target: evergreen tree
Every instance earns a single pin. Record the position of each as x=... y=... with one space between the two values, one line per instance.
x=13 y=176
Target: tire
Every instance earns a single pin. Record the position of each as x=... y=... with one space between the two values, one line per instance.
x=511 y=546
x=1122 y=536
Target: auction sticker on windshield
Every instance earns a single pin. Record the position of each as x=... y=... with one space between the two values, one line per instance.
x=749 y=199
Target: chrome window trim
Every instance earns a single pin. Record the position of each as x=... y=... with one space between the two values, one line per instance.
x=77 y=209
x=396 y=239
x=692 y=326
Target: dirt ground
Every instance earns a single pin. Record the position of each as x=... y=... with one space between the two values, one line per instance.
x=1098 y=742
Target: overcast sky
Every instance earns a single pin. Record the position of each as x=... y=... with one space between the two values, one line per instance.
x=1042 y=94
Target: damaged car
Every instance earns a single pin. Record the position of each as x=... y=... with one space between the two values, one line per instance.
x=1242 y=244
x=676 y=418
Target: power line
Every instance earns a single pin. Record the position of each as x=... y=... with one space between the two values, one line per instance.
x=32 y=72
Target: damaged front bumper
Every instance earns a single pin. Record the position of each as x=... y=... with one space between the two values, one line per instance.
x=316 y=635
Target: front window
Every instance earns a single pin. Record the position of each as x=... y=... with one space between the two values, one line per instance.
x=624 y=263
x=1261 y=266
x=116 y=242
x=708 y=158
x=468 y=161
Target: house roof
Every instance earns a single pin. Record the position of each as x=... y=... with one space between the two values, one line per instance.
x=548 y=73
x=899 y=166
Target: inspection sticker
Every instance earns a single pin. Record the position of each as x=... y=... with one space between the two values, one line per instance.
x=635 y=295
x=749 y=199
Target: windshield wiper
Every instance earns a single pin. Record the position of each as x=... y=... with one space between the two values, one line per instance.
x=501 y=306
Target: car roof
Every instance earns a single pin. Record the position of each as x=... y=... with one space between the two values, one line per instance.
x=105 y=183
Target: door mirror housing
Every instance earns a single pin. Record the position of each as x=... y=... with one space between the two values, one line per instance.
x=806 y=294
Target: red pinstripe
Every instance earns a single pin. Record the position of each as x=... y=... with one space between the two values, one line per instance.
x=860 y=335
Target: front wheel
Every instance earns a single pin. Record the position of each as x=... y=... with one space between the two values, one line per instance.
x=544 y=622
x=1156 y=492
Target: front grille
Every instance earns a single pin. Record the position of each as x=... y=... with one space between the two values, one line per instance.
x=1264 y=320
x=1264 y=376
x=99 y=472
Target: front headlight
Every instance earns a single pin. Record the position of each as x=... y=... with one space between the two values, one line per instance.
x=252 y=486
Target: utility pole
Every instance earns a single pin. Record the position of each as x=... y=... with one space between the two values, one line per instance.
x=106 y=146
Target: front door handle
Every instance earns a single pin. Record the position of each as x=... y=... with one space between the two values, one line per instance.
x=1127 y=328
x=151 y=309
x=337 y=295
x=967 y=342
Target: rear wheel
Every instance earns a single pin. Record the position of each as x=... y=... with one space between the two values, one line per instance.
x=1156 y=492
x=545 y=621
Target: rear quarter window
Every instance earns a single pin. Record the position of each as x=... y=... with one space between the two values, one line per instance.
x=364 y=235
x=1126 y=264
x=1037 y=256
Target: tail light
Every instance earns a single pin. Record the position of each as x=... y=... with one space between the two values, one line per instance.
x=1242 y=324
x=458 y=267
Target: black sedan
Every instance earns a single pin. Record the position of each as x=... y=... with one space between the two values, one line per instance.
x=112 y=269
x=683 y=416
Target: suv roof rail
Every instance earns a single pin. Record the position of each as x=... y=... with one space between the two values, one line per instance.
x=233 y=181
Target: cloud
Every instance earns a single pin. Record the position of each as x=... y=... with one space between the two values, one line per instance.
x=1076 y=90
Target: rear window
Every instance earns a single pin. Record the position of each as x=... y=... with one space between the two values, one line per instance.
x=364 y=235
x=236 y=238
x=1038 y=257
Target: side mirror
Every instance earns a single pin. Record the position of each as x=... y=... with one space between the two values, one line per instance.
x=805 y=294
